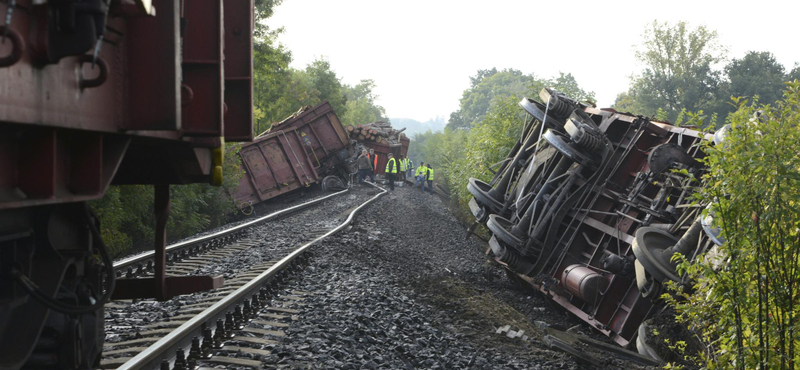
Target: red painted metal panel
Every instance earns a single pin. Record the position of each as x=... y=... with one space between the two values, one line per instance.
x=203 y=68
x=238 y=70
x=276 y=165
x=86 y=164
x=154 y=70
x=37 y=149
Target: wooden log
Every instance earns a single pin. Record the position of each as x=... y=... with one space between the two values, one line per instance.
x=361 y=137
x=349 y=128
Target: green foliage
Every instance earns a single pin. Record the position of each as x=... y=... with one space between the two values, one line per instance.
x=756 y=74
x=280 y=91
x=794 y=74
x=745 y=302
x=360 y=107
x=490 y=86
x=126 y=213
x=681 y=73
x=678 y=71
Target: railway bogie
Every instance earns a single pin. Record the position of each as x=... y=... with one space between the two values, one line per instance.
x=588 y=206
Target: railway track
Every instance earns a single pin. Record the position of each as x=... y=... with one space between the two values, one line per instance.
x=233 y=325
x=141 y=264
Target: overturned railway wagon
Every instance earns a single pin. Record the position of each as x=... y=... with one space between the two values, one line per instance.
x=308 y=147
x=588 y=208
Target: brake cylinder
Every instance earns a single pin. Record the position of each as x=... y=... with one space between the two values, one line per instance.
x=584 y=283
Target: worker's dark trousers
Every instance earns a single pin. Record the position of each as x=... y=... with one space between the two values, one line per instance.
x=390 y=176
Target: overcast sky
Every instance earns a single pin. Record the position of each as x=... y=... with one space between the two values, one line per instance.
x=421 y=53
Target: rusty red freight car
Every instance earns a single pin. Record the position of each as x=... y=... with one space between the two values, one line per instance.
x=303 y=149
x=94 y=93
x=587 y=208
x=383 y=150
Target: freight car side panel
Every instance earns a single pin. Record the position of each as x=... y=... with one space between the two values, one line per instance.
x=323 y=137
x=274 y=165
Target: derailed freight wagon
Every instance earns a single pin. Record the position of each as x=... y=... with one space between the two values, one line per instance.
x=306 y=148
x=588 y=209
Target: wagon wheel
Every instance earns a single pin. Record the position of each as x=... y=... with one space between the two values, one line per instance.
x=246 y=208
x=332 y=183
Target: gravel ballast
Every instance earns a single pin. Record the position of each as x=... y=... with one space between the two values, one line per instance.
x=404 y=289
x=272 y=240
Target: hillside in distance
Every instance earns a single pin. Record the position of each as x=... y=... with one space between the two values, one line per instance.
x=416 y=127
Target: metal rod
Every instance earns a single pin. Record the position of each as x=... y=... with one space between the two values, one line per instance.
x=162 y=216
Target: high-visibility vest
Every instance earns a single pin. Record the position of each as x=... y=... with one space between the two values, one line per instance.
x=392 y=166
x=429 y=177
x=410 y=164
x=420 y=170
x=403 y=164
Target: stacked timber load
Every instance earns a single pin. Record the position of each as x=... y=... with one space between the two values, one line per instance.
x=379 y=132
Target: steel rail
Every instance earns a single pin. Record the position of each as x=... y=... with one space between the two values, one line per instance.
x=181 y=337
x=129 y=261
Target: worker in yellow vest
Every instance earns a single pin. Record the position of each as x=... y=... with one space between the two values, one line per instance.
x=429 y=178
x=419 y=175
x=392 y=168
x=409 y=167
x=402 y=173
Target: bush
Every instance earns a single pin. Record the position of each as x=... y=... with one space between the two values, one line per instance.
x=746 y=312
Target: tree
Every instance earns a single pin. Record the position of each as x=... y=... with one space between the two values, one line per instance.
x=361 y=106
x=327 y=84
x=756 y=74
x=794 y=74
x=679 y=70
x=485 y=86
x=489 y=86
x=566 y=83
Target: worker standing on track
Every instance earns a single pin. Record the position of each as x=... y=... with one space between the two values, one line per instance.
x=402 y=173
x=409 y=167
x=364 y=167
x=420 y=176
x=373 y=158
x=429 y=178
x=392 y=168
